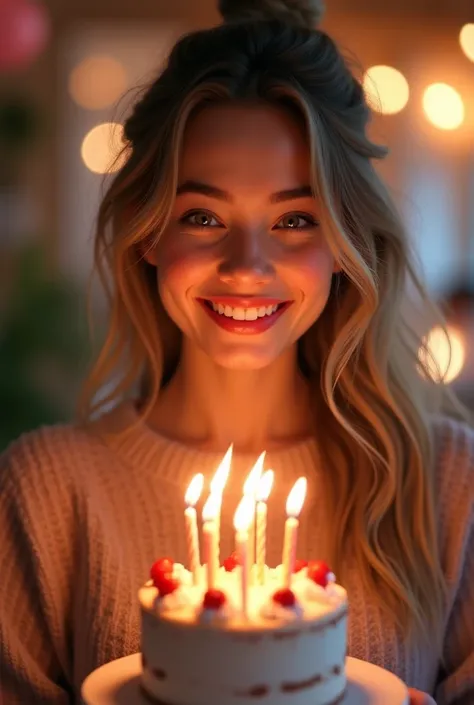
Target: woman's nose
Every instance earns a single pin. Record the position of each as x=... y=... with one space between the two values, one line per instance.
x=247 y=261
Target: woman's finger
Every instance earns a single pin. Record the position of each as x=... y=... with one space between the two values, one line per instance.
x=417 y=697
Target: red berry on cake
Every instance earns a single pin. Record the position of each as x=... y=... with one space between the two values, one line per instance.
x=161 y=568
x=299 y=565
x=214 y=600
x=232 y=562
x=319 y=572
x=166 y=585
x=285 y=597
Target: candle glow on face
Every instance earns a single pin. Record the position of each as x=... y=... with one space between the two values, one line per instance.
x=219 y=480
x=265 y=486
x=253 y=480
x=194 y=490
x=295 y=501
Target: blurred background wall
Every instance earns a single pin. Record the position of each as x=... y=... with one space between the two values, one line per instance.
x=69 y=71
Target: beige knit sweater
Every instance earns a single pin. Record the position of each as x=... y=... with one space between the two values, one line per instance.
x=83 y=515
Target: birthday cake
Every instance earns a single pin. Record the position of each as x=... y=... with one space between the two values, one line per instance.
x=240 y=632
x=198 y=648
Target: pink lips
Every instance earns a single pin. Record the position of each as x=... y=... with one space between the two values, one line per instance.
x=244 y=327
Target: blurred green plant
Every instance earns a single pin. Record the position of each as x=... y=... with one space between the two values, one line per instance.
x=43 y=346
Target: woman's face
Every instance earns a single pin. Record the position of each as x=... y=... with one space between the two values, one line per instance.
x=243 y=267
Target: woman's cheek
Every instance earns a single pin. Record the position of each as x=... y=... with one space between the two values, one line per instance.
x=181 y=270
x=312 y=268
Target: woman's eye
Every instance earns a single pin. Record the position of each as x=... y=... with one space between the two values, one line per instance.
x=296 y=221
x=201 y=219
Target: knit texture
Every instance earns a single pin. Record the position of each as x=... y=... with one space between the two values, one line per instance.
x=84 y=513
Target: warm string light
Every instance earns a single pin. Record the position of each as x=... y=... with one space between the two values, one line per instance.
x=101 y=148
x=386 y=89
x=443 y=354
x=97 y=82
x=443 y=106
x=466 y=40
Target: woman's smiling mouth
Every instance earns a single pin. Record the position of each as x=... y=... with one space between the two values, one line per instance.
x=249 y=315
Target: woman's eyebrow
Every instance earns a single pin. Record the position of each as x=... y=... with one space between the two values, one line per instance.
x=200 y=188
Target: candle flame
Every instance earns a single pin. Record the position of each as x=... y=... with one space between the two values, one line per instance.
x=253 y=480
x=245 y=513
x=219 y=480
x=211 y=507
x=265 y=486
x=194 y=490
x=295 y=500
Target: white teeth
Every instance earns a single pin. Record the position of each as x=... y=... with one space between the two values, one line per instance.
x=251 y=314
x=238 y=314
x=244 y=314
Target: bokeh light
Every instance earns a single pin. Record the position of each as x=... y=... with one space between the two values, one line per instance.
x=443 y=106
x=445 y=355
x=466 y=40
x=101 y=147
x=386 y=89
x=97 y=82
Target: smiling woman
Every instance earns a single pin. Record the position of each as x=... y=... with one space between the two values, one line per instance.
x=257 y=269
x=243 y=233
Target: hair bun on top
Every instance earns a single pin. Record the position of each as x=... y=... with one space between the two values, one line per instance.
x=300 y=13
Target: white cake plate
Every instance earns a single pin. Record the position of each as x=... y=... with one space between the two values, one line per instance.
x=118 y=683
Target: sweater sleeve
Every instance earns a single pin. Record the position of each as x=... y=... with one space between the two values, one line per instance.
x=457 y=684
x=35 y=557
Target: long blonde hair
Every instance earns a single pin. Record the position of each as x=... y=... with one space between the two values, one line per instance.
x=361 y=357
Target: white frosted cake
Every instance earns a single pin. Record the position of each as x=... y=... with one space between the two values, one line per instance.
x=199 y=648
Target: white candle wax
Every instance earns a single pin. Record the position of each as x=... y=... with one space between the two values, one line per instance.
x=263 y=492
x=250 y=490
x=242 y=546
x=218 y=533
x=289 y=550
x=294 y=505
x=251 y=543
x=192 y=542
x=242 y=519
x=217 y=487
x=210 y=541
x=190 y=518
x=261 y=537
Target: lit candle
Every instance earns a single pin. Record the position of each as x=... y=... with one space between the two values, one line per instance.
x=263 y=493
x=209 y=538
x=191 y=498
x=217 y=487
x=242 y=520
x=294 y=504
x=250 y=490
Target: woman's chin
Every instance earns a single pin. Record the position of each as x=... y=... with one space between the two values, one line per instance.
x=243 y=360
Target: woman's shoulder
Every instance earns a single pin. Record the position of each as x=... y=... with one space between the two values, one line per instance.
x=454 y=490
x=49 y=456
x=453 y=443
